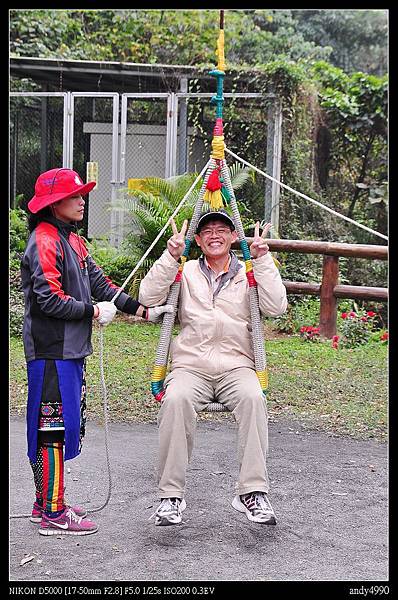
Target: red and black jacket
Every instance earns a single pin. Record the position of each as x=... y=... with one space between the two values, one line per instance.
x=60 y=280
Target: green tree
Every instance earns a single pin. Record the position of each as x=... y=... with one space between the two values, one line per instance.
x=358 y=38
x=356 y=108
x=350 y=39
x=159 y=36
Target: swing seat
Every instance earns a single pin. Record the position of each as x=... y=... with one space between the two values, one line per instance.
x=216 y=407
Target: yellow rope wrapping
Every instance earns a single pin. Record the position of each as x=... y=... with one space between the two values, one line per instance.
x=220 y=51
x=159 y=373
x=249 y=265
x=276 y=262
x=263 y=379
x=218 y=146
x=214 y=199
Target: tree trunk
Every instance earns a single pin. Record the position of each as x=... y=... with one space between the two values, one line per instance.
x=361 y=175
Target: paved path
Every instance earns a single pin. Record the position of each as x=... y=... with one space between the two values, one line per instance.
x=329 y=494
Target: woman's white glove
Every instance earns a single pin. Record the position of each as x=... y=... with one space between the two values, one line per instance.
x=107 y=311
x=154 y=313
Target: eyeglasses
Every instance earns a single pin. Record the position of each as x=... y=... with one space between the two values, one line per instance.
x=217 y=230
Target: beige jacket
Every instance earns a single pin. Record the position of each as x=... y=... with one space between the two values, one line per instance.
x=215 y=329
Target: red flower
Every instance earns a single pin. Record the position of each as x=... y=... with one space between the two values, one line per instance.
x=352 y=314
x=384 y=336
x=364 y=318
x=344 y=315
x=371 y=314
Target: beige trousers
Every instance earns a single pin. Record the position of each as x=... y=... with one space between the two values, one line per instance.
x=189 y=392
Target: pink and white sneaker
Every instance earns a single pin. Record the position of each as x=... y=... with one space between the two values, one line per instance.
x=68 y=523
x=37 y=512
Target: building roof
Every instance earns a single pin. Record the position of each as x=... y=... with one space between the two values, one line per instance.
x=101 y=76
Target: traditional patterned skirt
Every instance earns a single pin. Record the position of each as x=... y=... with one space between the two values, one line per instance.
x=57 y=402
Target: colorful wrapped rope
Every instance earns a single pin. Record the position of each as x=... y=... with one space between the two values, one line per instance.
x=216 y=189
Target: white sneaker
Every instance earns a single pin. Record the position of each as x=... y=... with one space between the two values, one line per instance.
x=169 y=511
x=256 y=506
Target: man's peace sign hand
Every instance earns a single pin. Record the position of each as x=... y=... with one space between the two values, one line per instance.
x=259 y=246
x=176 y=244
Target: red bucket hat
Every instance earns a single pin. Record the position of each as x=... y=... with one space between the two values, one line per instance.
x=55 y=185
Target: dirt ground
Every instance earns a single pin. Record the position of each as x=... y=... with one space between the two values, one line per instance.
x=329 y=493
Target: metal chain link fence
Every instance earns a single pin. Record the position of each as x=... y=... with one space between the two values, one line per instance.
x=37 y=144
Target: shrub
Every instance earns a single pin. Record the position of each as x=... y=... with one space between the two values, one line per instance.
x=299 y=313
x=16 y=300
x=19 y=234
x=356 y=328
x=115 y=264
x=309 y=333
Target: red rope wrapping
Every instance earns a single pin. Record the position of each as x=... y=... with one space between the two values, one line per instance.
x=178 y=277
x=218 y=127
x=251 y=279
x=159 y=396
x=214 y=183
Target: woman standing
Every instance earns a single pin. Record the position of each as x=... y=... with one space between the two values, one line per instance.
x=59 y=280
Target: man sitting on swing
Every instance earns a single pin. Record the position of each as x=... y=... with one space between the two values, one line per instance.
x=212 y=359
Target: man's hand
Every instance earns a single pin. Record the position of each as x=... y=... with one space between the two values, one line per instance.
x=154 y=313
x=259 y=246
x=106 y=312
x=176 y=244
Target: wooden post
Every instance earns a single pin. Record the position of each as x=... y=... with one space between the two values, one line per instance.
x=328 y=311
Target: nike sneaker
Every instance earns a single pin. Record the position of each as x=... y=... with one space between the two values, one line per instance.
x=37 y=512
x=67 y=523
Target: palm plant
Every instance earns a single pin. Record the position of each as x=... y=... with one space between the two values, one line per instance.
x=151 y=204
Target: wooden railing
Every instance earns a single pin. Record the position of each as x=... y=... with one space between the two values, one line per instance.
x=329 y=289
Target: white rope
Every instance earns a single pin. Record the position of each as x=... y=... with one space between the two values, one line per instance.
x=333 y=212
x=106 y=430
x=161 y=232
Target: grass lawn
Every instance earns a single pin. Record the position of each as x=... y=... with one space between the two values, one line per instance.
x=340 y=391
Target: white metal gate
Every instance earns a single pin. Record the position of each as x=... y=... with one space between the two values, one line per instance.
x=142 y=135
